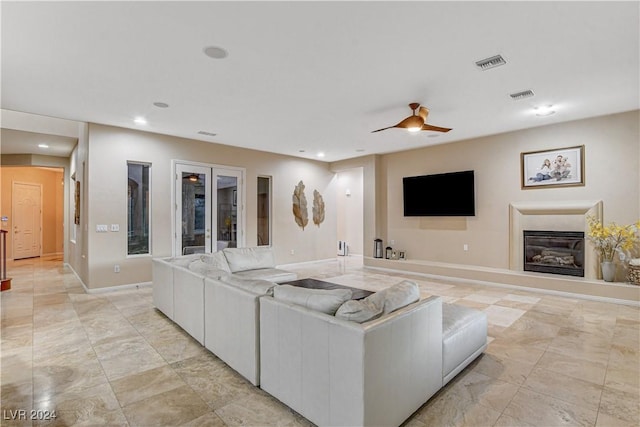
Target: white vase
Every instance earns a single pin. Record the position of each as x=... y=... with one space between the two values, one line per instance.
x=608 y=270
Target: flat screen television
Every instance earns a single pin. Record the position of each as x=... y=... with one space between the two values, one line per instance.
x=445 y=194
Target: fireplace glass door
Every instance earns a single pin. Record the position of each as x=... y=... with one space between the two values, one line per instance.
x=556 y=252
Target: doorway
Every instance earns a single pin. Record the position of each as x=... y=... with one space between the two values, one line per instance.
x=208 y=209
x=350 y=210
x=27 y=220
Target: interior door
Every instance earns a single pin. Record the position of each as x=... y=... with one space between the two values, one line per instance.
x=228 y=212
x=193 y=209
x=27 y=220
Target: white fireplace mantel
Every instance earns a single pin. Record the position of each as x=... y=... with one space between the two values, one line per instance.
x=553 y=216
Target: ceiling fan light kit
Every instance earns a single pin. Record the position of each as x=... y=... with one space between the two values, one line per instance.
x=416 y=123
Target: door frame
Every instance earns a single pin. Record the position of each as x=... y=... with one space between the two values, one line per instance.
x=241 y=241
x=13 y=216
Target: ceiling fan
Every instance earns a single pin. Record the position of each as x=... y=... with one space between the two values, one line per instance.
x=415 y=123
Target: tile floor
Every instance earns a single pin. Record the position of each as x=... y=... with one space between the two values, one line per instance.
x=112 y=359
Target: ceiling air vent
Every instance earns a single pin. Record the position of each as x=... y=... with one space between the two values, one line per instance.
x=494 y=61
x=206 y=133
x=521 y=95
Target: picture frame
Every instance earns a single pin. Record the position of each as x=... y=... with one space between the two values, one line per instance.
x=559 y=167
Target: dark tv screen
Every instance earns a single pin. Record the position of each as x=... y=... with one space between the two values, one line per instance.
x=445 y=194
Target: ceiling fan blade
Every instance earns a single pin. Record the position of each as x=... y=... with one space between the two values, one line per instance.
x=390 y=127
x=409 y=122
x=435 y=128
x=423 y=112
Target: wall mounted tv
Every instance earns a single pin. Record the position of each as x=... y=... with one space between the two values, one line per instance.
x=445 y=194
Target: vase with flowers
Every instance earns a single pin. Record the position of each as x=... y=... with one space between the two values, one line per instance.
x=610 y=240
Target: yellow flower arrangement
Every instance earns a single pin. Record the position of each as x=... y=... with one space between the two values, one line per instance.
x=613 y=238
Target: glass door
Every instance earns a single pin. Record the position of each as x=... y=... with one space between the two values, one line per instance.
x=193 y=209
x=228 y=212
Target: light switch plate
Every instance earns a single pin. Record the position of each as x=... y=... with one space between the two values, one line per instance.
x=102 y=228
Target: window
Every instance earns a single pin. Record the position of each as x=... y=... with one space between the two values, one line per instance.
x=138 y=208
x=264 y=211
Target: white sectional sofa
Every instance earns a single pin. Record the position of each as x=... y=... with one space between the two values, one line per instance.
x=334 y=360
x=195 y=292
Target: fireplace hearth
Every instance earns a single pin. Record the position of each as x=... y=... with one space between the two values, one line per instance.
x=556 y=252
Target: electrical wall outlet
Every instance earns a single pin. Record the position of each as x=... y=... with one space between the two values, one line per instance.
x=115 y=227
x=293 y=251
x=116 y=268
x=465 y=247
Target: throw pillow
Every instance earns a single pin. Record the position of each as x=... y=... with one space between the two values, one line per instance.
x=217 y=260
x=205 y=269
x=241 y=259
x=257 y=286
x=323 y=300
x=359 y=311
x=395 y=297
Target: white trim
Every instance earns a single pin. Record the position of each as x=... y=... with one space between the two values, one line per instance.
x=107 y=288
x=514 y=287
x=117 y=288
x=303 y=263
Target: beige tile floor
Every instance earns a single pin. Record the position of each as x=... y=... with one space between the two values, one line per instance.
x=112 y=359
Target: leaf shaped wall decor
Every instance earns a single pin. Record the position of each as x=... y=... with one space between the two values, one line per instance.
x=318 y=208
x=300 y=206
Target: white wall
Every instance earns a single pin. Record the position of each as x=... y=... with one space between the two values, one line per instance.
x=109 y=150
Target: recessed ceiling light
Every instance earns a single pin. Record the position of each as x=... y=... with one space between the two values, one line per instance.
x=215 y=52
x=140 y=121
x=321 y=154
x=161 y=104
x=544 y=111
x=43 y=146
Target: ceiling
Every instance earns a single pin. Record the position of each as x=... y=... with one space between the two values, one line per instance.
x=307 y=77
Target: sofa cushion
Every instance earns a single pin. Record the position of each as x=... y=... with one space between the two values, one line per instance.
x=257 y=286
x=241 y=259
x=206 y=269
x=270 y=274
x=217 y=260
x=360 y=311
x=395 y=297
x=323 y=300
x=184 y=260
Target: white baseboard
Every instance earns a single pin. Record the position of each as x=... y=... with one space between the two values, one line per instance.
x=107 y=288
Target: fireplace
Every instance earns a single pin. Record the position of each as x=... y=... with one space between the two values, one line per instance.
x=557 y=252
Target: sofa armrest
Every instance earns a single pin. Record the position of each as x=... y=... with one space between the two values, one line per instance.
x=162 y=277
x=336 y=372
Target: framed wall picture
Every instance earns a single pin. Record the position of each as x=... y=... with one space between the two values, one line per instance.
x=562 y=167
